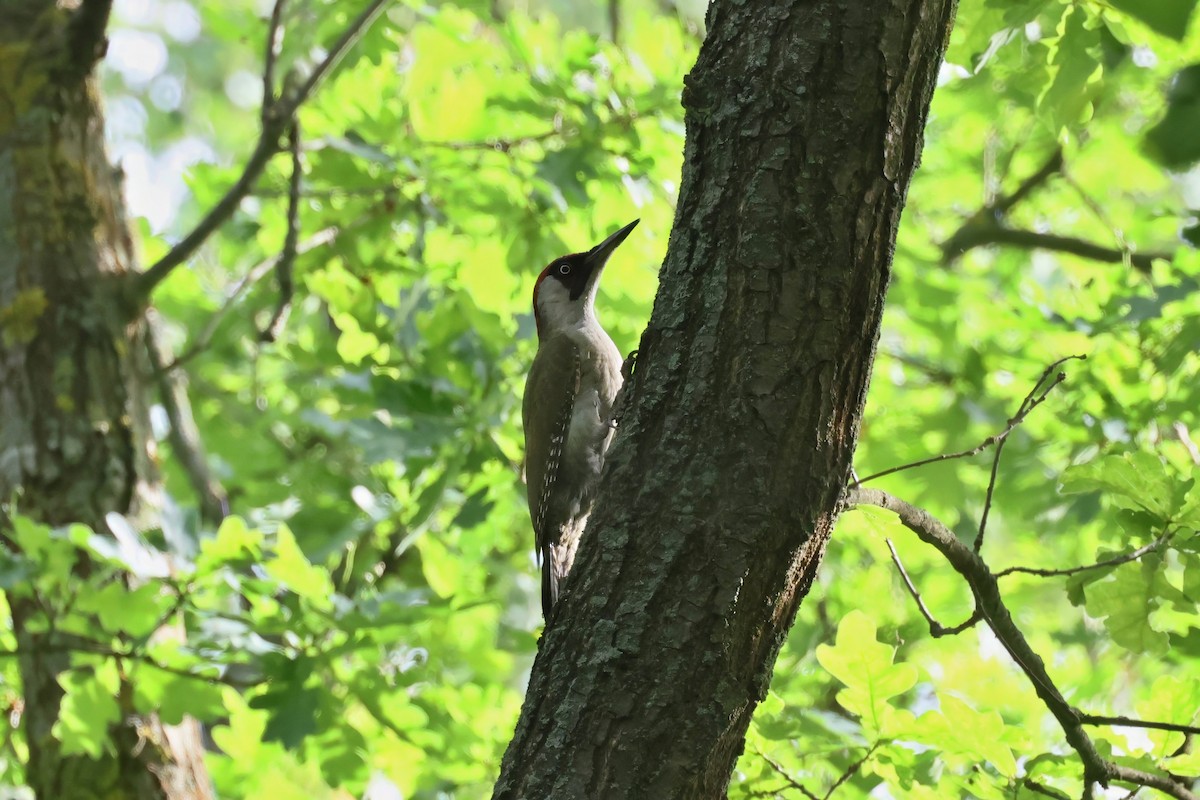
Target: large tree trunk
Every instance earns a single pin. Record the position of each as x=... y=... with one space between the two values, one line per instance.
x=74 y=442
x=804 y=125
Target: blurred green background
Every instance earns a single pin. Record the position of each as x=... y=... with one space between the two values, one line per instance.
x=372 y=453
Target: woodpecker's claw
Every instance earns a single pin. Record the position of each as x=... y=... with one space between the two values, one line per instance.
x=627 y=368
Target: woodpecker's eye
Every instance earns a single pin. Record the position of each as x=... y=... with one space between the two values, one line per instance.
x=564 y=269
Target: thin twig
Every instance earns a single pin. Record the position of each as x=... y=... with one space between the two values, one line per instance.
x=1127 y=722
x=1043 y=789
x=252 y=276
x=614 y=21
x=849 y=771
x=783 y=773
x=991 y=606
x=985 y=444
x=185 y=437
x=1115 y=561
x=287 y=258
x=936 y=629
x=1032 y=400
x=274 y=39
x=274 y=125
x=499 y=145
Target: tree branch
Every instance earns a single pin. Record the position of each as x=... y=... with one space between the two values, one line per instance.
x=1115 y=561
x=185 y=437
x=287 y=258
x=1027 y=405
x=274 y=40
x=990 y=604
x=1127 y=722
x=936 y=629
x=979 y=232
x=792 y=783
x=275 y=122
x=1053 y=165
x=1022 y=412
x=987 y=227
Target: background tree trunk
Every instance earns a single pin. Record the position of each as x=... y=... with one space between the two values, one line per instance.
x=804 y=125
x=74 y=443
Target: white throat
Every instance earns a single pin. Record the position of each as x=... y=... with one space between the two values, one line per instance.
x=558 y=312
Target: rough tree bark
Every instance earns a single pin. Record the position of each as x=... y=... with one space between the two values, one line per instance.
x=74 y=387
x=804 y=125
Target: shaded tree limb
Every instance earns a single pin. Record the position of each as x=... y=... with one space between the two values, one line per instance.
x=1129 y=722
x=275 y=122
x=980 y=232
x=990 y=604
x=184 y=436
x=287 y=257
x=1043 y=789
x=1049 y=169
x=274 y=40
x=987 y=227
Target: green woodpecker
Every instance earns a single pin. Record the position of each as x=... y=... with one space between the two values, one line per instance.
x=568 y=410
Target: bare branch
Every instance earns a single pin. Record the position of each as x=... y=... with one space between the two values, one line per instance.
x=1141 y=778
x=990 y=604
x=1127 y=722
x=987 y=227
x=849 y=771
x=1031 y=401
x=936 y=629
x=185 y=437
x=783 y=773
x=287 y=258
x=614 y=21
x=984 y=232
x=1022 y=412
x=274 y=39
x=1115 y=561
x=275 y=123
x=1053 y=165
x=1041 y=788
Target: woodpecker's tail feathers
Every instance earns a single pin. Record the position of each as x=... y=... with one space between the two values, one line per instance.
x=549 y=581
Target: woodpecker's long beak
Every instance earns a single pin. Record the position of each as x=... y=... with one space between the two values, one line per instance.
x=598 y=255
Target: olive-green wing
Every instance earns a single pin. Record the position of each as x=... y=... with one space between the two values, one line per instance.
x=550 y=396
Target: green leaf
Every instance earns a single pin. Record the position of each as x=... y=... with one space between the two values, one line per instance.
x=1133 y=480
x=120 y=610
x=1173 y=141
x=293 y=714
x=1168 y=17
x=290 y=567
x=1124 y=601
x=1076 y=66
x=958 y=728
x=89 y=707
x=865 y=666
